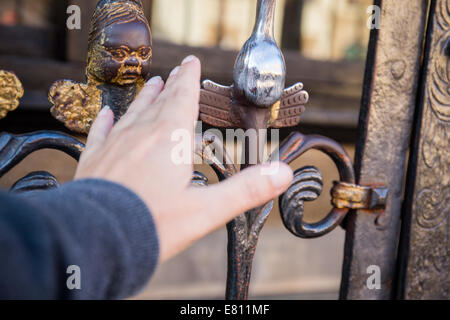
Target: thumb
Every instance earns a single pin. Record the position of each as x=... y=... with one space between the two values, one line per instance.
x=247 y=190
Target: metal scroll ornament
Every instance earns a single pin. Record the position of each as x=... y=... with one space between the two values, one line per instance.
x=15 y=148
x=257 y=99
x=117 y=66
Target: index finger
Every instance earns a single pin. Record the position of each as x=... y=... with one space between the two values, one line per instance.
x=181 y=95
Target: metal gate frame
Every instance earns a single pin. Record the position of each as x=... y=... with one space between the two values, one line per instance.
x=400 y=206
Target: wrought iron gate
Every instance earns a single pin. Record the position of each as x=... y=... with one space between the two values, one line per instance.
x=403 y=228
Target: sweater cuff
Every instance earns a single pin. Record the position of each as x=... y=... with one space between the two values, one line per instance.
x=135 y=220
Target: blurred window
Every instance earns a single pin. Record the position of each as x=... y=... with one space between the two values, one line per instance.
x=33 y=13
x=328 y=29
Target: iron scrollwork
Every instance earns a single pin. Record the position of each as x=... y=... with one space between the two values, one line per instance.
x=15 y=148
x=306 y=181
x=257 y=100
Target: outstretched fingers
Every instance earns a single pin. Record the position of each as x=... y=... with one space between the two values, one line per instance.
x=100 y=130
x=183 y=90
x=147 y=96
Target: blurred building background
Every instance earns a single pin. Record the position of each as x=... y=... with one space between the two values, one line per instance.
x=325 y=43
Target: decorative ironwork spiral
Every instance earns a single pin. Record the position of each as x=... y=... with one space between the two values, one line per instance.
x=15 y=148
x=199 y=180
x=306 y=186
x=40 y=180
x=292 y=212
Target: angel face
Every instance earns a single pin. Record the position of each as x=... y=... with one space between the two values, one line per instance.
x=11 y=91
x=122 y=54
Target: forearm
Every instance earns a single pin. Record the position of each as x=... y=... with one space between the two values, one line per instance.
x=101 y=227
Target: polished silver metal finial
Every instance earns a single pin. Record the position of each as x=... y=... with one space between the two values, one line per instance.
x=260 y=71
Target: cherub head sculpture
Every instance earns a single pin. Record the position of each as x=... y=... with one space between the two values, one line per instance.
x=11 y=91
x=118 y=64
x=120 y=43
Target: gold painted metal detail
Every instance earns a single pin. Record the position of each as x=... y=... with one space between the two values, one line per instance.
x=219 y=108
x=11 y=90
x=351 y=196
x=75 y=104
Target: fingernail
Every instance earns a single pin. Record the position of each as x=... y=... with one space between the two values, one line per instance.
x=188 y=59
x=174 y=71
x=104 y=111
x=280 y=175
x=154 y=81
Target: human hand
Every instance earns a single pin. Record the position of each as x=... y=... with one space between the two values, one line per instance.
x=137 y=152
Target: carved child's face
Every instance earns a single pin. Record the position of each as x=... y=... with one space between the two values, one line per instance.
x=122 y=54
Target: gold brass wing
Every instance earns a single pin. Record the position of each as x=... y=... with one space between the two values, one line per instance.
x=75 y=104
x=292 y=106
x=11 y=91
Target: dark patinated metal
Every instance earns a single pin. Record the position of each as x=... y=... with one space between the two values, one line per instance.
x=214 y=153
x=425 y=245
x=386 y=122
x=199 y=180
x=257 y=100
x=35 y=181
x=15 y=148
x=291 y=211
x=118 y=64
x=306 y=186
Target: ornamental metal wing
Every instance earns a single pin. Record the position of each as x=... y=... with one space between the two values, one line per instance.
x=75 y=104
x=292 y=106
x=216 y=105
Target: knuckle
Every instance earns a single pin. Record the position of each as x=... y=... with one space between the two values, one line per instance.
x=160 y=129
x=255 y=191
x=125 y=134
x=178 y=91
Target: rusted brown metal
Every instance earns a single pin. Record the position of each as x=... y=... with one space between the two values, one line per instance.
x=425 y=245
x=117 y=66
x=219 y=108
x=386 y=121
x=11 y=91
x=351 y=196
x=291 y=203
